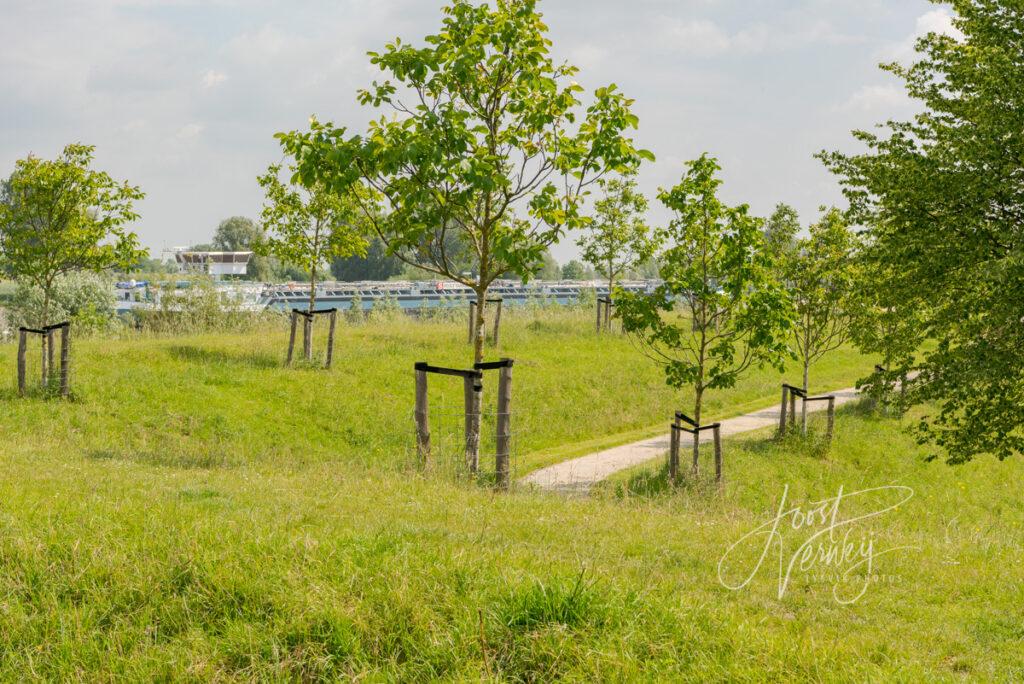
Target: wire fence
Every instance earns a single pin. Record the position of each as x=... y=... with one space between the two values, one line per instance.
x=448 y=443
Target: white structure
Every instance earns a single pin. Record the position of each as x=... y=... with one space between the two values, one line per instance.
x=213 y=263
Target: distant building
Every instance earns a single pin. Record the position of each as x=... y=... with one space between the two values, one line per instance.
x=213 y=263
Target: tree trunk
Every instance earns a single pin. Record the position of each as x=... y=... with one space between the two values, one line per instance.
x=475 y=399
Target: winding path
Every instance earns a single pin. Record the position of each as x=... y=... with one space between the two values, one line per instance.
x=578 y=475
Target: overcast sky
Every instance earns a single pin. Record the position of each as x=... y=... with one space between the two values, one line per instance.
x=182 y=97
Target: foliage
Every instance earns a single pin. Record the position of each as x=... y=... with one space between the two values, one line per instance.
x=61 y=216
x=820 y=273
x=574 y=269
x=308 y=227
x=236 y=234
x=618 y=239
x=780 y=231
x=941 y=195
x=492 y=148
x=715 y=260
x=377 y=264
x=550 y=270
x=199 y=308
x=85 y=299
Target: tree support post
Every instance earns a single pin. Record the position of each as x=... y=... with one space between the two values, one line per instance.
x=792 y=409
x=782 y=411
x=717 y=428
x=22 y=348
x=65 y=358
x=330 y=338
x=497 y=319
x=291 y=337
x=422 y=420
x=829 y=431
x=49 y=355
x=502 y=458
x=598 y=329
x=673 y=451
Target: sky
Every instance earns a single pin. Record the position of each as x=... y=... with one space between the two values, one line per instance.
x=183 y=97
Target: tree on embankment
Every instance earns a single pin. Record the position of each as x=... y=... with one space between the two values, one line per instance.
x=486 y=139
x=943 y=202
x=716 y=262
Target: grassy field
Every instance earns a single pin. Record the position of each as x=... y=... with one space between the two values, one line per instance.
x=199 y=513
x=226 y=400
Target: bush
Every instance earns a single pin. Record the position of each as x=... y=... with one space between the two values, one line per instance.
x=85 y=299
x=200 y=308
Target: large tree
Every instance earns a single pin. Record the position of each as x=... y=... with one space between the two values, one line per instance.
x=61 y=216
x=943 y=197
x=236 y=234
x=618 y=238
x=484 y=138
x=376 y=265
x=715 y=261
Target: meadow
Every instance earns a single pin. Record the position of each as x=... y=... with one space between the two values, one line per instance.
x=197 y=512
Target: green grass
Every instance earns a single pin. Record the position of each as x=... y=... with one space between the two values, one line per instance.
x=226 y=400
x=205 y=515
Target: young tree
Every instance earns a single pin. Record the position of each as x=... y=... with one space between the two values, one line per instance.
x=820 y=273
x=490 y=145
x=942 y=197
x=780 y=231
x=618 y=239
x=62 y=216
x=574 y=269
x=309 y=227
x=715 y=260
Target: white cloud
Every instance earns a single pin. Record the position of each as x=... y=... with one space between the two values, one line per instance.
x=873 y=98
x=213 y=78
x=935 y=21
x=706 y=38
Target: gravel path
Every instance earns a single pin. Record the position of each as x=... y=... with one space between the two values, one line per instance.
x=580 y=474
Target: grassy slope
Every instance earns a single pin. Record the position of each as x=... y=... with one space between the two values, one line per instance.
x=126 y=557
x=226 y=400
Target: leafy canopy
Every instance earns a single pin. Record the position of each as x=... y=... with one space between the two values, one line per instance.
x=943 y=199
x=715 y=260
x=308 y=228
x=618 y=239
x=820 y=272
x=485 y=139
x=60 y=216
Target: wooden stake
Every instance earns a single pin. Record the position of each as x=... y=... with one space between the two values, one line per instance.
x=497 y=322
x=718 y=453
x=673 y=453
x=330 y=338
x=782 y=412
x=65 y=358
x=502 y=460
x=792 y=408
x=291 y=338
x=472 y=424
x=803 y=414
x=599 y=305
x=49 y=354
x=422 y=420
x=307 y=337
x=831 y=418
x=22 y=347
x=43 y=358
